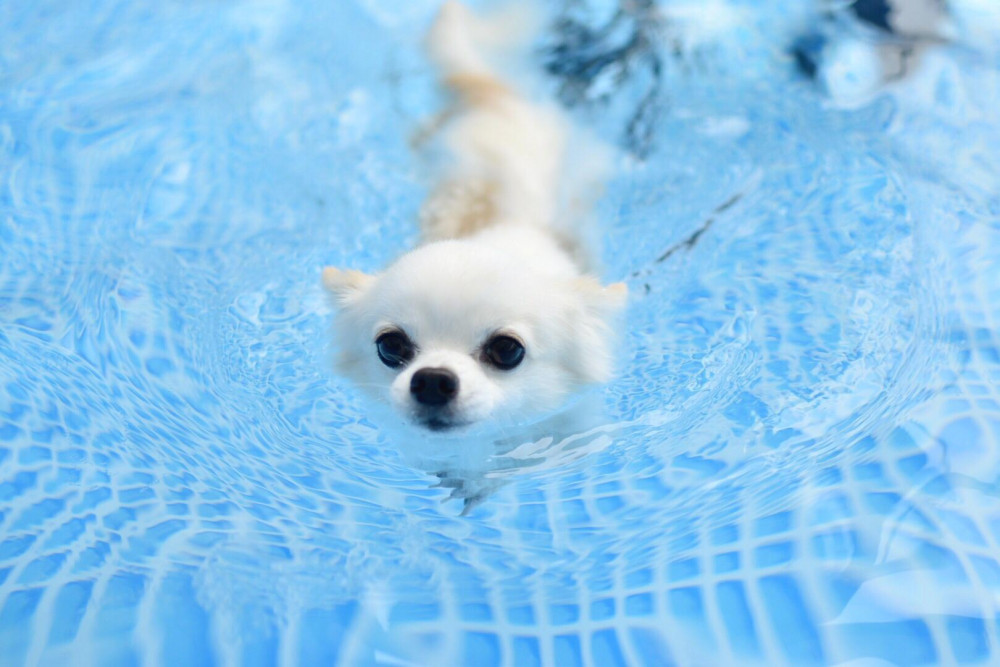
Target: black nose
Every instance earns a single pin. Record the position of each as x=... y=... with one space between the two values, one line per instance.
x=434 y=386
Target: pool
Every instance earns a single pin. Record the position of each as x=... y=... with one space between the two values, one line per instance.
x=798 y=464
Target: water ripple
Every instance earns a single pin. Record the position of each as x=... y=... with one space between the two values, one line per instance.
x=804 y=430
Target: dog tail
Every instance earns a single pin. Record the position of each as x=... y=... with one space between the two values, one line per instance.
x=460 y=43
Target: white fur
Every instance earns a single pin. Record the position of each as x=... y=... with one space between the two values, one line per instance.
x=498 y=255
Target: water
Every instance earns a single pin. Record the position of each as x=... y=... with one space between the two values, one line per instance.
x=798 y=463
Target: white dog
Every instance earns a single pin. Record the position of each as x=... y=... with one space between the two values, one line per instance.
x=496 y=316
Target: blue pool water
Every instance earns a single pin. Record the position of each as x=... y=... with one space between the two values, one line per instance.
x=799 y=463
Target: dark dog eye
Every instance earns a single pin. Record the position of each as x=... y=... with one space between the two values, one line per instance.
x=504 y=352
x=394 y=348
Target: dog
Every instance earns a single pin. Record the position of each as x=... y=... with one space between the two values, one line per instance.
x=497 y=315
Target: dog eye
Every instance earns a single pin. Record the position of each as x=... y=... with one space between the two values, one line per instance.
x=394 y=348
x=504 y=352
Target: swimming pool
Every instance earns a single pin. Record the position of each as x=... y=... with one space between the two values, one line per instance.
x=798 y=463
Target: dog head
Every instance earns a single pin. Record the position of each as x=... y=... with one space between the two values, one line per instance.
x=458 y=332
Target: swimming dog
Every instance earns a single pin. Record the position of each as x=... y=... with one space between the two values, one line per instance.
x=497 y=314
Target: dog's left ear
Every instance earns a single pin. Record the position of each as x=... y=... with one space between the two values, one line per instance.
x=591 y=357
x=606 y=299
x=345 y=284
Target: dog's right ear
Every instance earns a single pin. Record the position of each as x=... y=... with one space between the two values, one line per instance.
x=345 y=284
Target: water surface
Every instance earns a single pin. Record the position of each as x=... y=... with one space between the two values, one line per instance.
x=798 y=463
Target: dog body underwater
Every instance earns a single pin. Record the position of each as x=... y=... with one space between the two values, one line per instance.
x=496 y=315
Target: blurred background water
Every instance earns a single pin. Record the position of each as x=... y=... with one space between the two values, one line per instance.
x=798 y=464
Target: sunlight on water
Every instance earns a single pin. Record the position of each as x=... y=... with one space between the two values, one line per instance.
x=797 y=464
